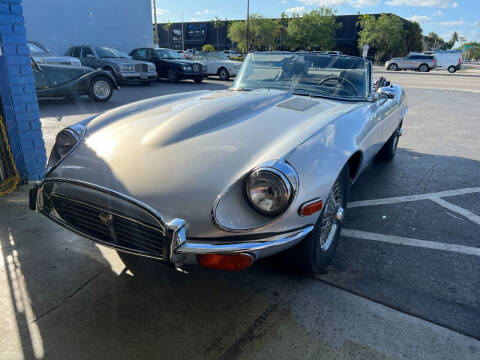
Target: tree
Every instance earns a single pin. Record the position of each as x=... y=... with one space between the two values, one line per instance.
x=282 y=30
x=167 y=27
x=385 y=35
x=262 y=33
x=313 y=30
x=435 y=42
x=208 y=48
x=414 y=37
x=473 y=53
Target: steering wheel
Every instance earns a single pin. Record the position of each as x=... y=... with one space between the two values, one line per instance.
x=341 y=81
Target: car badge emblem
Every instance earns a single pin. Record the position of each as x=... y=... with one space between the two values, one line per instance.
x=107 y=219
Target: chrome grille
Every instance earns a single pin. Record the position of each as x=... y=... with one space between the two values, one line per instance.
x=197 y=67
x=110 y=228
x=141 y=67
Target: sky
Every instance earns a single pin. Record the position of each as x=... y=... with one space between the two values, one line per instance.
x=441 y=16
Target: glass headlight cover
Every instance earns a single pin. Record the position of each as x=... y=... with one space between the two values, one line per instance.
x=151 y=67
x=268 y=191
x=65 y=142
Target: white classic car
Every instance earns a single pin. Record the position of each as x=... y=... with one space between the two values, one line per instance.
x=219 y=64
x=42 y=55
x=224 y=178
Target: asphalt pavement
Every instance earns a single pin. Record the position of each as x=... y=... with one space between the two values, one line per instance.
x=403 y=285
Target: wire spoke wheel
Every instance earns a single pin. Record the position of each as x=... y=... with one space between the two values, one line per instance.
x=102 y=89
x=332 y=215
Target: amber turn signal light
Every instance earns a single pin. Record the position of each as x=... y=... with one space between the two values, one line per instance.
x=229 y=262
x=310 y=207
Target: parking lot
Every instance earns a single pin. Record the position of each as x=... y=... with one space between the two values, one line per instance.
x=404 y=282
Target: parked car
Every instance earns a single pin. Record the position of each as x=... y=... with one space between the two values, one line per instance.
x=42 y=55
x=224 y=178
x=420 y=62
x=171 y=65
x=71 y=81
x=450 y=60
x=218 y=64
x=232 y=53
x=120 y=65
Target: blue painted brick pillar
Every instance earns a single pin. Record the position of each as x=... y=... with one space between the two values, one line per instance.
x=17 y=93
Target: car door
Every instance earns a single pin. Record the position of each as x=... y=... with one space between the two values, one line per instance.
x=410 y=62
x=88 y=58
x=162 y=65
x=41 y=79
x=151 y=57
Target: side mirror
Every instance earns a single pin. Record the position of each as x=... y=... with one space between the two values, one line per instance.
x=90 y=56
x=386 y=93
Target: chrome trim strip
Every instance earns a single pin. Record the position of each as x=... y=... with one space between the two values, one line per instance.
x=278 y=166
x=258 y=248
x=78 y=132
x=151 y=211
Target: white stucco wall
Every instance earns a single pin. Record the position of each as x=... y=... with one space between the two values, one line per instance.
x=59 y=24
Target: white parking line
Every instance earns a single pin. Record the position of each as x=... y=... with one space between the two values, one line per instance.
x=459 y=210
x=399 y=199
x=399 y=240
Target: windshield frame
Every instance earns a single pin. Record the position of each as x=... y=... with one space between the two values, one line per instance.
x=369 y=81
x=169 y=51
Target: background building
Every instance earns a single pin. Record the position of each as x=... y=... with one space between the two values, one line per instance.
x=58 y=24
x=198 y=34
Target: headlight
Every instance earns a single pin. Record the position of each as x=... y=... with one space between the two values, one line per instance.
x=151 y=67
x=65 y=142
x=186 y=68
x=268 y=191
x=126 y=67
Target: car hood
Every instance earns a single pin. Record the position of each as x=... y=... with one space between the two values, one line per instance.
x=65 y=71
x=123 y=61
x=177 y=153
x=181 y=62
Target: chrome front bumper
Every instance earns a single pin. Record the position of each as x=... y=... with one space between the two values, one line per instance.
x=137 y=76
x=173 y=247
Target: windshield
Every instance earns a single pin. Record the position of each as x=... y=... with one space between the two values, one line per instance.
x=306 y=74
x=104 y=52
x=37 y=48
x=169 y=54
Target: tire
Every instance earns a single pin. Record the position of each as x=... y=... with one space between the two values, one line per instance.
x=316 y=251
x=423 y=68
x=389 y=149
x=101 y=89
x=198 y=80
x=452 y=69
x=392 y=67
x=223 y=74
x=172 y=75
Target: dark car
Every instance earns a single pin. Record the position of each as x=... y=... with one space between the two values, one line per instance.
x=71 y=81
x=118 y=63
x=171 y=65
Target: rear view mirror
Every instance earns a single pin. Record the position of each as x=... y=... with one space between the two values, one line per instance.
x=386 y=93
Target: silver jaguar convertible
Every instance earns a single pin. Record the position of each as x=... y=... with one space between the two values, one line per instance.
x=224 y=178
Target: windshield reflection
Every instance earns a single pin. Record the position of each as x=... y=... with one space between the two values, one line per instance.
x=309 y=74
